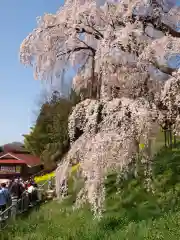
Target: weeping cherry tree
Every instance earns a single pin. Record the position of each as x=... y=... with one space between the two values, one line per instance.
x=125 y=53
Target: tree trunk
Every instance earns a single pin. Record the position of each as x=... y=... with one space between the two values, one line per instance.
x=165 y=137
x=167 y=134
x=170 y=138
x=91 y=87
x=175 y=141
x=99 y=85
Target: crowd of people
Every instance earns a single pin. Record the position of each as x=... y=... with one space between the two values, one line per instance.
x=17 y=189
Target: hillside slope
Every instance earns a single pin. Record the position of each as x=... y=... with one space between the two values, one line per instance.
x=132 y=214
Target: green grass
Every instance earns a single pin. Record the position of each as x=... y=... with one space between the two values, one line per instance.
x=132 y=214
x=52 y=223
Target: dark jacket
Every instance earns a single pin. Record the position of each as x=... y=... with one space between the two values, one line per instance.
x=14 y=189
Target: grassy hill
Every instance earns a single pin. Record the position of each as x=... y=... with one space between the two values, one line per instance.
x=132 y=214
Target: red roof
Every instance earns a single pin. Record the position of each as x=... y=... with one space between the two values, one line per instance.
x=29 y=159
x=24 y=158
x=12 y=161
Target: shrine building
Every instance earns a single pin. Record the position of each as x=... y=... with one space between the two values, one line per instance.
x=18 y=163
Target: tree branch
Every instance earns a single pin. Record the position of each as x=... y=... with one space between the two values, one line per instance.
x=166 y=70
x=84 y=43
x=112 y=25
x=77 y=49
x=97 y=35
x=95 y=30
x=158 y=26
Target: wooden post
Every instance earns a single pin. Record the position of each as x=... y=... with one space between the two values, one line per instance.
x=14 y=207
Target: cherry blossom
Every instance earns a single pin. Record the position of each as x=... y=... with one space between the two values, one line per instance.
x=123 y=51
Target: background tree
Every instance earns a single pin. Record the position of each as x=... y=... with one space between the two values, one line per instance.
x=49 y=137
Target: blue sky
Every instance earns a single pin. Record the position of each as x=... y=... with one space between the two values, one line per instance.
x=18 y=91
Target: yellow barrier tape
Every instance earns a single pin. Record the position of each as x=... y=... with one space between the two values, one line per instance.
x=52 y=174
x=44 y=177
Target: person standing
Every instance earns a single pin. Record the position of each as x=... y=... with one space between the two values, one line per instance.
x=21 y=200
x=8 y=200
x=14 y=192
x=50 y=184
x=3 y=200
x=14 y=189
x=30 y=193
x=7 y=194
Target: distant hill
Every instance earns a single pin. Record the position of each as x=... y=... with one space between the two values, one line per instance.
x=13 y=147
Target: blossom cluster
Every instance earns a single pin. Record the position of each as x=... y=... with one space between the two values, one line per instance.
x=125 y=33
x=110 y=135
